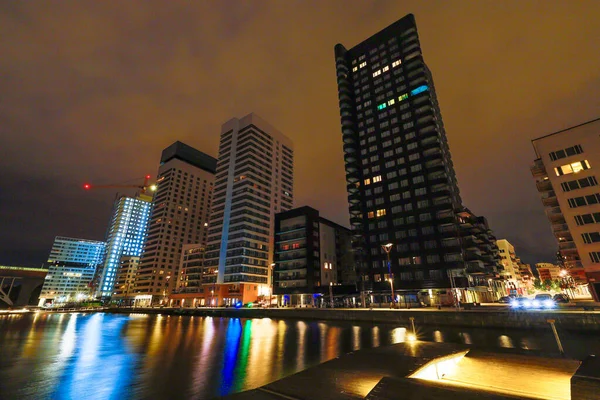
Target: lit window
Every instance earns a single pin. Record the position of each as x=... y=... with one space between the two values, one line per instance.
x=403 y=97
x=371 y=214
x=378 y=72
x=381 y=106
x=377 y=178
x=381 y=213
x=363 y=64
x=392 y=101
x=367 y=181
x=386 y=68
x=354 y=69
x=396 y=63
x=418 y=90
x=572 y=168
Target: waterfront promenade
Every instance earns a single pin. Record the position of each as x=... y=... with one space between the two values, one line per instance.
x=482 y=317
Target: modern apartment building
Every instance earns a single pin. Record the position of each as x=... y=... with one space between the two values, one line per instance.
x=401 y=183
x=508 y=258
x=254 y=181
x=71 y=267
x=125 y=237
x=565 y=170
x=189 y=291
x=311 y=254
x=180 y=212
x=123 y=291
x=548 y=271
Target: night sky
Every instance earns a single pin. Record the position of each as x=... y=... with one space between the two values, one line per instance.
x=94 y=90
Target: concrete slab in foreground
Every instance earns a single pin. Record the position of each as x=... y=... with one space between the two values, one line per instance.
x=422 y=370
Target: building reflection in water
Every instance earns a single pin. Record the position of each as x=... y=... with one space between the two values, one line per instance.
x=105 y=356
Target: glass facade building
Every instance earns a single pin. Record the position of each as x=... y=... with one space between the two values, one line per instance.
x=71 y=267
x=125 y=237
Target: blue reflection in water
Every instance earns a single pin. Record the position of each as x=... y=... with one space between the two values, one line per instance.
x=232 y=345
x=100 y=367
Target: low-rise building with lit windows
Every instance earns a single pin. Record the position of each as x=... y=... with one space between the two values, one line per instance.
x=71 y=267
x=313 y=258
x=565 y=172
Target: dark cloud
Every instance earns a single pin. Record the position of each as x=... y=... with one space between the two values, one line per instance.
x=94 y=90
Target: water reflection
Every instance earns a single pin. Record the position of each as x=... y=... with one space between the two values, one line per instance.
x=98 y=356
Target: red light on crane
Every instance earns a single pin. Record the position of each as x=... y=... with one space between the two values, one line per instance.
x=87 y=186
x=147 y=176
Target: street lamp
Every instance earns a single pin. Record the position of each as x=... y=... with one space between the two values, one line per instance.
x=272 y=278
x=388 y=248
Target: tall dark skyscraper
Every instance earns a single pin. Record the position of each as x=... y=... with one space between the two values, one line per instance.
x=401 y=184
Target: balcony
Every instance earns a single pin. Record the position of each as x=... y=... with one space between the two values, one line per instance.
x=434 y=164
x=566 y=245
x=290 y=228
x=448 y=230
x=538 y=169
x=287 y=267
x=560 y=229
x=549 y=199
x=555 y=215
x=475 y=267
x=433 y=153
x=290 y=237
x=543 y=185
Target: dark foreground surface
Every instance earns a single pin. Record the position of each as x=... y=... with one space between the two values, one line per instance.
x=121 y=356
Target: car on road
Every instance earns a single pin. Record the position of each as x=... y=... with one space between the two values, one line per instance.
x=505 y=299
x=561 y=298
x=539 y=302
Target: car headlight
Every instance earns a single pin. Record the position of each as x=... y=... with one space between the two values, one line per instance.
x=536 y=303
x=514 y=304
x=548 y=303
x=528 y=303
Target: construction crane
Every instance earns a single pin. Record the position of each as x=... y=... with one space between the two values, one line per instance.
x=144 y=188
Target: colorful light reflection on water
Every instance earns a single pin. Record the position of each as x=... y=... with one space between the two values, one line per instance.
x=105 y=356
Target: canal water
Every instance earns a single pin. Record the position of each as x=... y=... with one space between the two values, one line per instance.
x=107 y=356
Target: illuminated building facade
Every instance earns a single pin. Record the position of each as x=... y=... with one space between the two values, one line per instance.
x=401 y=184
x=311 y=254
x=180 y=212
x=71 y=267
x=125 y=237
x=565 y=173
x=254 y=181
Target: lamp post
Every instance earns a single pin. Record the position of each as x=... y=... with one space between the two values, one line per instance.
x=272 y=277
x=388 y=248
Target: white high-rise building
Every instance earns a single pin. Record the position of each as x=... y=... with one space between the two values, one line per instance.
x=254 y=181
x=71 y=267
x=566 y=176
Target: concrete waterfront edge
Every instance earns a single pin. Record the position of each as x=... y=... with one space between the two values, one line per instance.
x=575 y=321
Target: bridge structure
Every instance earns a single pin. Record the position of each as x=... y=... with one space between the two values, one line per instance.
x=20 y=286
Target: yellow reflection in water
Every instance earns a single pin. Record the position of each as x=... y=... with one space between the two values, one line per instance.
x=333 y=344
x=301 y=326
x=262 y=346
x=203 y=361
x=505 y=341
x=438 y=337
x=398 y=335
x=355 y=337
x=466 y=338
x=375 y=334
